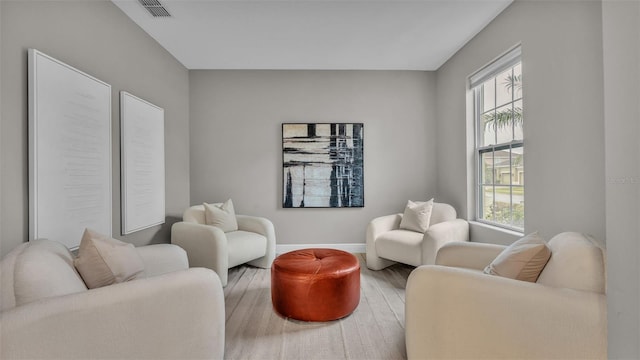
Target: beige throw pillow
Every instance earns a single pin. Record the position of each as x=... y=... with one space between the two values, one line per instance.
x=221 y=215
x=104 y=261
x=522 y=260
x=417 y=215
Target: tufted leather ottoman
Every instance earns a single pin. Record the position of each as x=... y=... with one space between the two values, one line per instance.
x=315 y=284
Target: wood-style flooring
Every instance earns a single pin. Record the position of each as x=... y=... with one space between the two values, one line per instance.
x=375 y=330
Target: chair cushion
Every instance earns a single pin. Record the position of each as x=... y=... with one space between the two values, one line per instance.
x=577 y=262
x=404 y=246
x=244 y=246
x=104 y=261
x=194 y=214
x=522 y=260
x=417 y=215
x=221 y=215
x=36 y=270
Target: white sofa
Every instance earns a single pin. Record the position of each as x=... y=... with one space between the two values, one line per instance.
x=388 y=244
x=454 y=311
x=208 y=246
x=172 y=312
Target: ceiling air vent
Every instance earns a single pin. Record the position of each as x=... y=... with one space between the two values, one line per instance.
x=155 y=8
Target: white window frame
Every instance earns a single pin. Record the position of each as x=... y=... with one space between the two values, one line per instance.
x=493 y=69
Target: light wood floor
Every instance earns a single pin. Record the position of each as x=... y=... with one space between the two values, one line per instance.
x=375 y=330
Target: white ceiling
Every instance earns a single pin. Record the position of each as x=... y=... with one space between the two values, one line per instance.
x=315 y=34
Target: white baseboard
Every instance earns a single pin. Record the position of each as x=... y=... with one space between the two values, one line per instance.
x=352 y=248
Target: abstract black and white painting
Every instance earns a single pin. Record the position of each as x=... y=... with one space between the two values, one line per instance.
x=323 y=165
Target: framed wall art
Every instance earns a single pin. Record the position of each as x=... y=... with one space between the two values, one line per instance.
x=142 y=162
x=323 y=165
x=69 y=151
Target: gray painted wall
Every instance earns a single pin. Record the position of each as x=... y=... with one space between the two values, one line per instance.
x=236 y=142
x=95 y=37
x=1 y=148
x=621 y=43
x=563 y=109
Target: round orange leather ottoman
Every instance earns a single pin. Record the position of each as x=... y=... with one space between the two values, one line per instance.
x=315 y=284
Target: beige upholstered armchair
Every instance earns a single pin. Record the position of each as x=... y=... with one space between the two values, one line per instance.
x=387 y=243
x=209 y=246
x=455 y=311
x=168 y=312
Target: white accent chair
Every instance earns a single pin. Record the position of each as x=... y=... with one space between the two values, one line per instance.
x=388 y=244
x=208 y=246
x=172 y=312
x=455 y=311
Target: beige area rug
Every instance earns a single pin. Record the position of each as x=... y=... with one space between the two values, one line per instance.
x=375 y=330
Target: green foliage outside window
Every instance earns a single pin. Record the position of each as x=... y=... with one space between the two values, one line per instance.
x=501 y=214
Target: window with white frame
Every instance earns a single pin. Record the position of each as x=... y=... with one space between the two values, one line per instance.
x=497 y=90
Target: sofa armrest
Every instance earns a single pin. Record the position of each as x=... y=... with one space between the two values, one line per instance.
x=160 y=259
x=459 y=313
x=179 y=315
x=375 y=228
x=468 y=255
x=383 y=224
x=256 y=224
x=265 y=228
x=442 y=233
x=206 y=246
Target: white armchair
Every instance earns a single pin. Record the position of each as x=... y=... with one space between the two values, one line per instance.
x=388 y=244
x=455 y=311
x=208 y=246
x=172 y=312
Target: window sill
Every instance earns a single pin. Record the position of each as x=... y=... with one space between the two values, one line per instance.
x=483 y=232
x=497 y=228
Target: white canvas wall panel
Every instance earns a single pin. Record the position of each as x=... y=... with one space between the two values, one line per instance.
x=142 y=162
x=69 y=151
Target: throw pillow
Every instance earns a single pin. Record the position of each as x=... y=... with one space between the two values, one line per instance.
x=417 y=215
x=104 y=261
x=221 y=215
x=522 y=260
